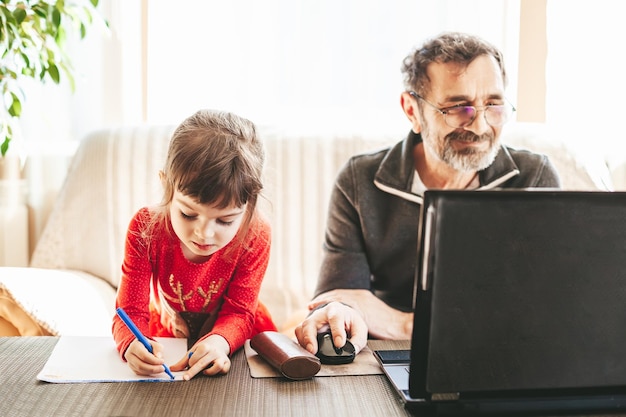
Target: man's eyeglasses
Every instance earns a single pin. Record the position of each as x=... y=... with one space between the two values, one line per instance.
x=462 y=116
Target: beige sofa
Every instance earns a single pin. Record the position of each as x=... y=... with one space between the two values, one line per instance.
x=70 y=285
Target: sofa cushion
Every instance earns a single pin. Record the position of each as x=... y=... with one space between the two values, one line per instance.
x=65 y=302
x=15 y=320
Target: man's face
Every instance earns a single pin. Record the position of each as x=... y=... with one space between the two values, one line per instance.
x=472 y=147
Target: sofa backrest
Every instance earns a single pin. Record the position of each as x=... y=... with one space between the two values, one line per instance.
x=115 y=172
x=579 y=170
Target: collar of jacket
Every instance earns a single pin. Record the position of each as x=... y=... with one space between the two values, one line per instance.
x=396 y=171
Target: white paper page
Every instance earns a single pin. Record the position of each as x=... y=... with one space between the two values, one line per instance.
x=79 y=359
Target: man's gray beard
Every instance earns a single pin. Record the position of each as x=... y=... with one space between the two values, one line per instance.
x=470 y=160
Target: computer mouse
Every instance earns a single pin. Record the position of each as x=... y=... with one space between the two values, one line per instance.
x=331 y=355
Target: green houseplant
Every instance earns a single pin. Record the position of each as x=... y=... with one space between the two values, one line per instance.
x=33 y=37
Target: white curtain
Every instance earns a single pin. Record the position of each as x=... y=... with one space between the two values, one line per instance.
x=305 y=67
x=585 y=78
x=309 y=66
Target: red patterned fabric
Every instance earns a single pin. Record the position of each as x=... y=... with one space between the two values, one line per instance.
x=158 y=283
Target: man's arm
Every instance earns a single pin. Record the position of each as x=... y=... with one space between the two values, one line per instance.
x=345 y=263
x=345 y=273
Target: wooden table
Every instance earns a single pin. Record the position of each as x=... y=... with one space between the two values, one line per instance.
x=231 y=395
x=234 y=394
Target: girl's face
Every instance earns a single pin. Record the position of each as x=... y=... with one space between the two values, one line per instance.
x=203 y=229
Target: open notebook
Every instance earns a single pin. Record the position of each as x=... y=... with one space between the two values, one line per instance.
x=83 y=359
x=519 y=304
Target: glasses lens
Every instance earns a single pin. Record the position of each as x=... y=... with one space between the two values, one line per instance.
x=460 y=116
x=497 y=115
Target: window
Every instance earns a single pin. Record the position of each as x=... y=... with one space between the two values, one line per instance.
x=302 y=65
x=305 y=66
x=585 y=76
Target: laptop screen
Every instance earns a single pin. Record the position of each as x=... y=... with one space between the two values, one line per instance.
x=520 y=290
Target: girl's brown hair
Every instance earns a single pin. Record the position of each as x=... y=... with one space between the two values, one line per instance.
x=216 y=158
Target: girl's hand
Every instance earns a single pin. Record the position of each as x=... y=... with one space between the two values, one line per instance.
x=143 y=362
x=209 y=356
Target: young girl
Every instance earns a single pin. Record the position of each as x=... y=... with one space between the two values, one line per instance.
x=193 y=266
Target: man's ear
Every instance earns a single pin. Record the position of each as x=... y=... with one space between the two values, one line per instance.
x=409 y=106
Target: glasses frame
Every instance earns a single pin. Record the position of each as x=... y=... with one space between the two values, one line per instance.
x=444 y=111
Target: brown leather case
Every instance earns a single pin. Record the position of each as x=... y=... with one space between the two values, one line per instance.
x=284 y=354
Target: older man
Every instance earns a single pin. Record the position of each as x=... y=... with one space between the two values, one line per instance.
x=455 y=102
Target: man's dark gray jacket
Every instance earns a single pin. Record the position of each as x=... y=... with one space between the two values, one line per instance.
x=371 y=233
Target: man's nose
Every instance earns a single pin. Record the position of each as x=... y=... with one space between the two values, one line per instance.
x=479 y=125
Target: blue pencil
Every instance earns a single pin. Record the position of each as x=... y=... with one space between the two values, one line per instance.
x=133 y=328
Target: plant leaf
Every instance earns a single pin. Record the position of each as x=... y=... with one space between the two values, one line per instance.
x=40 y=10
x=53 y=71
x=19 y=15
x=5 y=145
x=56 y=17
x=15 y=109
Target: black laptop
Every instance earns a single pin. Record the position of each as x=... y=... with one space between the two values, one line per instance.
x=520 y=304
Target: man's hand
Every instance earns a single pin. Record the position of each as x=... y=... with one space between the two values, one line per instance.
x=343 y=321
x=383 y=322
